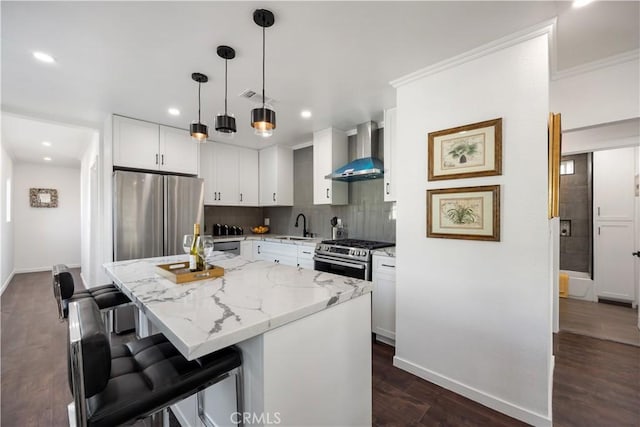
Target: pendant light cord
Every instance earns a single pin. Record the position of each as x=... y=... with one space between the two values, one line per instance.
x=199 y=84
x=263 y=99
x=225 y=86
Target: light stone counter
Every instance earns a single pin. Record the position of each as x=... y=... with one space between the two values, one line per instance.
x=270 y=238
x=251 y=298
x=390 y=252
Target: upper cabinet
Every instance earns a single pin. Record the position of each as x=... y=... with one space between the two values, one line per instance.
x=178 y=152
x=248 y=177
x=330 y=151
x=144 y=145
x=276 y=176
x=230 y=175
x=390 y=132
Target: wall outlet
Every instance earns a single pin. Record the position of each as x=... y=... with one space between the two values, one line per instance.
x=266 y=221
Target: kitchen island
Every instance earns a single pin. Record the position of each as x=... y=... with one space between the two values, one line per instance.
x=305 y=337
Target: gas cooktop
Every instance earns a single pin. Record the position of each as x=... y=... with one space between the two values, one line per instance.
x=357 y=243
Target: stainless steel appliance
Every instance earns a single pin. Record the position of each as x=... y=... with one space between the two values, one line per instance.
x=151 y=214
x=347 y=257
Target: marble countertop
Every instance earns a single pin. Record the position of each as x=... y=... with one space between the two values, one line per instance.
x=251 y=298
x=390 y=251
x=270 y=238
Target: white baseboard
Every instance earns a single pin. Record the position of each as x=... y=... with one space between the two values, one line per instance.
x=479 y=396
x=6 y=282
x=385 y=340
x=40 y=269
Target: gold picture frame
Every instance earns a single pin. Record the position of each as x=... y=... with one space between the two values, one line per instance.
x=469 y=213
x=555 y=145
x=43 y=197
x=466 y=151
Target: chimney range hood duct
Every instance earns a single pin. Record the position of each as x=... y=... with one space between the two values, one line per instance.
x=365 y=166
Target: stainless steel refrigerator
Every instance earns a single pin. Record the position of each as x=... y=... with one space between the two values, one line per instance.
x=151 y=214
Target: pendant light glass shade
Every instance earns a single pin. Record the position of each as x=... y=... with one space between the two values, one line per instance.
x=225 y=123
x=263 y=120
x=199 y=130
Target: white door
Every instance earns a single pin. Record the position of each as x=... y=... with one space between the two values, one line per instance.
x=135 y=143
x=207 y=172
x=226 y=159
x=178 y=152
x=615 y=226
x=248 y=179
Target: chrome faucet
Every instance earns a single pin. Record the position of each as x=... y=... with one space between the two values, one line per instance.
x=304 y=224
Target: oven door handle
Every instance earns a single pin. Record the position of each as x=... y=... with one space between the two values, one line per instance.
x=341 y=263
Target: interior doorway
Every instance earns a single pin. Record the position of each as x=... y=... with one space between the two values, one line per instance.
x=599 y=224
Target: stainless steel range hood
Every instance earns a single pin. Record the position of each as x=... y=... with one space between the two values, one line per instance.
x=365 y=166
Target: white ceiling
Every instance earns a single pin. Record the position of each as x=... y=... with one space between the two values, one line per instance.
x=333 y=58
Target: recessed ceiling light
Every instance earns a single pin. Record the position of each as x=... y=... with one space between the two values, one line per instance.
x=174 y=111
x=46 y=143
x=305 y=114
x=44 y=57
x=47 y=159
x=580 y=3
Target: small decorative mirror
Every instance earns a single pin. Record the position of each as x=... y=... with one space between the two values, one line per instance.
x=43 y=197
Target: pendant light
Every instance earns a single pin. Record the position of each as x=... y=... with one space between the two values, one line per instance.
x=224 y=122
x=199 y=130
x=263 y=119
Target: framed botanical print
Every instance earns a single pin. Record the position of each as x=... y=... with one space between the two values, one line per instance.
x=466 y=151
x=43 y=197
x=471 y=213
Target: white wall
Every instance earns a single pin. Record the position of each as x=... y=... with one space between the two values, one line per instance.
x=90 y=213
x=46 y=236
x=475 y=316
x=6 y=224
x=599 y=96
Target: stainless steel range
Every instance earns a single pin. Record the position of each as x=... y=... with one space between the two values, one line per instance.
x=347 y=257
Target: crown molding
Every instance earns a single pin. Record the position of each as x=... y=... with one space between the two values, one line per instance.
x=621 y=58
x=546 y=27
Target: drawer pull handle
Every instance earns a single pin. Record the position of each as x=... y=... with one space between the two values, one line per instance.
x=387 y=265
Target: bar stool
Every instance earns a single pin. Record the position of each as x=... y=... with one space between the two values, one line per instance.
x=107 y=297
x=124 y=383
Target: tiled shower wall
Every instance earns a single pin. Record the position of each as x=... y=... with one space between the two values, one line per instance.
x=576 y=206
x=367 y=216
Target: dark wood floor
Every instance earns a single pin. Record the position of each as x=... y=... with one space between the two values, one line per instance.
x=596 y=383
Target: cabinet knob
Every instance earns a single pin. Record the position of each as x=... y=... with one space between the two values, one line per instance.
x=240 y=196
x=162 y=159
x=156 y=159
x=387 y=188
x=327 y=193
x=274 y=197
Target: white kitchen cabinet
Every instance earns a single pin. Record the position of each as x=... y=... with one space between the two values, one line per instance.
x=276 y=176
x=178 y=152
x=230 y=174
x=207 y=172
x=613 y=184
x=279 y=253
x=390 y=132
x=248 y=179
x=330 y=151
x=246 y=249
x=144 y=145
x=226 y=175
x=305 y=256
x=383 y=309
x=135 y=143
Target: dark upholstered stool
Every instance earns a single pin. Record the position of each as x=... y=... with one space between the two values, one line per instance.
x=107 y=297
x=124 y=383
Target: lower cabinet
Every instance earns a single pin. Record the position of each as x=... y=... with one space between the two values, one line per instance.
x=383 y=310
x=284 y=253
x=246 y=249
x=305 y=256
